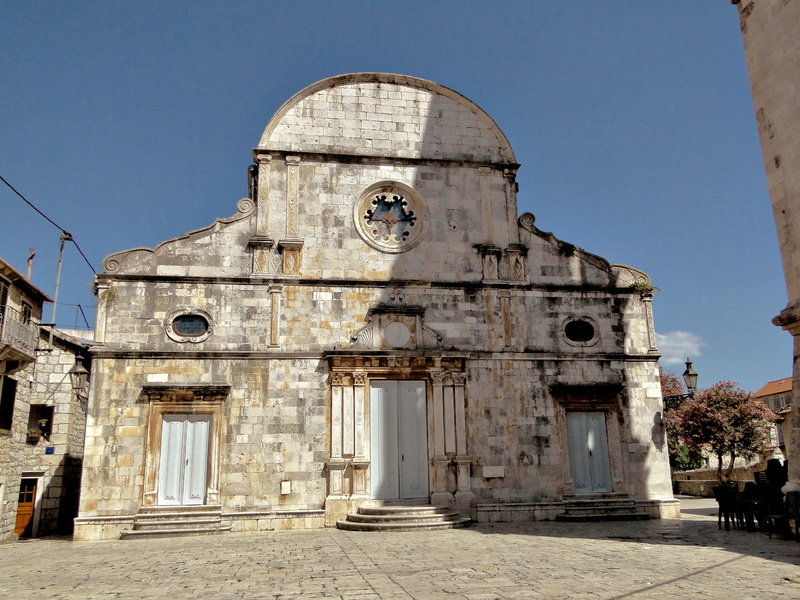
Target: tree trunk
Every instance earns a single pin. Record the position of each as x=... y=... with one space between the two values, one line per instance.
x=719 y=467
x=729 y=470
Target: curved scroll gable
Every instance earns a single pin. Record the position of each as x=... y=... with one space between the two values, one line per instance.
x=527 y=222
x=629 y=276
x=143 y=260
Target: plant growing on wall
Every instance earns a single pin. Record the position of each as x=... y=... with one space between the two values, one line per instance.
x=108 y=296
x=725 y=420
x=645 y=289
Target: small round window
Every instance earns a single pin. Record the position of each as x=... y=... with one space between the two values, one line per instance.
x=579 y=330
x=190 y=325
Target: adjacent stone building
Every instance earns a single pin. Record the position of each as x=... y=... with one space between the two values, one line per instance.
x=771 y=35
x=42 y=418
x=376 y=323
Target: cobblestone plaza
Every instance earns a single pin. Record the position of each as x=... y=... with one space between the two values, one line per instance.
x=668 y=558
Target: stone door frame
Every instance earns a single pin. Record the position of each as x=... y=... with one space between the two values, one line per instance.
x=348 y=468
x=589 y=398
x=191 y=400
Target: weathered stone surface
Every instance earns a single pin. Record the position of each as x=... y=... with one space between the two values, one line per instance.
x=382 y=243
x=771 y=34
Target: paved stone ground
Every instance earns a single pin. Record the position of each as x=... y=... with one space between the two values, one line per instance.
x=684 y=559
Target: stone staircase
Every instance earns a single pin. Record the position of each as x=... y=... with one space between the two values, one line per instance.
x=171 y=521
x=601 y=507
x=402 y=518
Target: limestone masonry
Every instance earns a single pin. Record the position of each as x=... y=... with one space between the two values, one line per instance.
x=376 y=323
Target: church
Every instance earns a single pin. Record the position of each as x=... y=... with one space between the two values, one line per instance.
x=374 y=325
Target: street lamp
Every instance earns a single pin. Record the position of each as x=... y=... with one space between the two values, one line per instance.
x=690 y=379
x=78 y=376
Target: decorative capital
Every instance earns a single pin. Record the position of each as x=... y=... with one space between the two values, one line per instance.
x=789 y=319
x=261 y=241
x=438 y=378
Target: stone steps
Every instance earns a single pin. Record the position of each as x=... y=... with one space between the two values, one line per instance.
x=599 y=508
x=170 y=521
x=402 y=518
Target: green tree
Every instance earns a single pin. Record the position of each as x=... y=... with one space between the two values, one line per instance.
x=725 y=420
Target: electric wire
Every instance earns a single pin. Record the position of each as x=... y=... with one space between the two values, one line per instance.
x=56 y=225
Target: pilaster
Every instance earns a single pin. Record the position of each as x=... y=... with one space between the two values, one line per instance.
x=275 y=294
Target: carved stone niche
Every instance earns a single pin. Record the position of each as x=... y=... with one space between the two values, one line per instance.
x=291 y=251
x=396 y=328
x=261 y=247
x=490 y=259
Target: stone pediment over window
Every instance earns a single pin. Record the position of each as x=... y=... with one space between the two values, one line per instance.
x=167 y=392
x=395 y=328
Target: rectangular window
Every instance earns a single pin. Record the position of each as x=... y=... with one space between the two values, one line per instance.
x=27 y=312
x=8 y=393
x=41 y=418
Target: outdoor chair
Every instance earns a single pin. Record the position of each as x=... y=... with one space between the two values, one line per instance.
x=724 y=496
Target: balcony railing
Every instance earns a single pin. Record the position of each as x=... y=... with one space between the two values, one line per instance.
x=17 y=331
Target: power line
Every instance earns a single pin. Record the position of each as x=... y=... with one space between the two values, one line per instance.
x=57 y=226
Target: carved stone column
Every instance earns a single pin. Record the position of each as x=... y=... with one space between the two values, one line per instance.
x=275 y=293
x=647 y=301
x=505 y=316
x=337 y=502
x=337 y=414
x=359 y=407
x=487 y=217
x=262 y=194
x=100 y=321
x=464 y=498
x=440 y=495
x=292 y=195
x=789 y=320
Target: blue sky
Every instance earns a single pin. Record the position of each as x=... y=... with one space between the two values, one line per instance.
x=129 y=123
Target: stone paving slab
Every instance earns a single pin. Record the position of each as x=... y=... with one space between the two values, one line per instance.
x=688 y=558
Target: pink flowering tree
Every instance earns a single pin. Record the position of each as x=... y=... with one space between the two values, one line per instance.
x=681 y=456
x=726 y=421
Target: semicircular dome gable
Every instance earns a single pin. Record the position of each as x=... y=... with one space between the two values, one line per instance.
x=382 y=114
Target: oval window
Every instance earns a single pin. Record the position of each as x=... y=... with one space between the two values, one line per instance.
x=190 y=325
x=579 y=331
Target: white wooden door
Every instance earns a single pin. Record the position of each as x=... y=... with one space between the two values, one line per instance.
x=399 y=441
x=588 y=451
x=184 y=460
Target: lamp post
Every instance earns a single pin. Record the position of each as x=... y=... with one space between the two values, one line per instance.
x=79 y=377
x=690 y=379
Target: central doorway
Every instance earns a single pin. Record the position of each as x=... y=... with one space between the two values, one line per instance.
x=399 y=441
x=588 y=451
x=184 y=459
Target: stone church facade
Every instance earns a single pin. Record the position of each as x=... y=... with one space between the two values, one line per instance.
x=375 y=323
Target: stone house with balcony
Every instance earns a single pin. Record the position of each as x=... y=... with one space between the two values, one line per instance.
x=376 y=324
x=21 y=305
x=43 y=418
